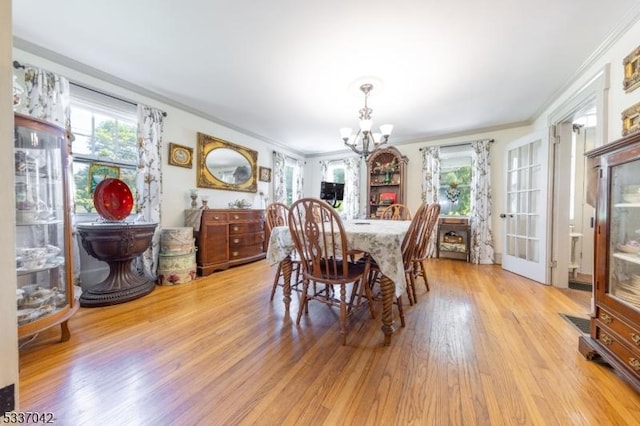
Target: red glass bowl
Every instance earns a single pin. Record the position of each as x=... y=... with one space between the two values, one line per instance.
x=112 y=199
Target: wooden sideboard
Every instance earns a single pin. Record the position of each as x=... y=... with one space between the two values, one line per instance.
x=229 y=237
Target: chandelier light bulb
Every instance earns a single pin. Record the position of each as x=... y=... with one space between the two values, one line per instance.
x=345 y=133
x=386 y=129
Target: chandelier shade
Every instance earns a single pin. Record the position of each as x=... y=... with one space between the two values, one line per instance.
x=364 y=142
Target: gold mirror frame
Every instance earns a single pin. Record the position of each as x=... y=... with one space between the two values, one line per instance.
x=206 y=178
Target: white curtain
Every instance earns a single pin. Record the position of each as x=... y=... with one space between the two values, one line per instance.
x=482 y=251
x=298 y=178
x=149 y=181
x=431 y=184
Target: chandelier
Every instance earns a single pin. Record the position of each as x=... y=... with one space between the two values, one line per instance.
x=365 y=142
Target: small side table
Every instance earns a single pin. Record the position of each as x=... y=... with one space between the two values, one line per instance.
x=573 y=264
x=453 y=238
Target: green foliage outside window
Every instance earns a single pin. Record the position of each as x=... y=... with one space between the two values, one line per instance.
x=455 y=191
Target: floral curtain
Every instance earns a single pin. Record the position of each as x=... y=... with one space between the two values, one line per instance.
x=481 y=236
x=298 y=176
x=431 y=184
x=149 y=182
x=351 y=201
x=279 y=184
x=41 y=94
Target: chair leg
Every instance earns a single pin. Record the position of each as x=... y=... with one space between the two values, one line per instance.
x=275 y=281
x=400 y=310
x=343 y=313
x=369 y=295
x=424 y=275
x=303 y=301
x=411 y=289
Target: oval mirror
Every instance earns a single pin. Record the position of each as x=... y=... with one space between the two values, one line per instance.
x=228 y=166
x=223 y=165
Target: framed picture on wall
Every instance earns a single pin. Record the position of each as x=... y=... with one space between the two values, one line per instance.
x=631 y=64
x=181 y=156
x=631 y=120
x=264 y=174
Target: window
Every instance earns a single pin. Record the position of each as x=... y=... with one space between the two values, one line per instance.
x=455 y=180
x=292 y=179
x=336 y=173
x=105 y=131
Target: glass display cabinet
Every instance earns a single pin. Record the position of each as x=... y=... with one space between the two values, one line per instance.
x=44 y=294
x=615 y=322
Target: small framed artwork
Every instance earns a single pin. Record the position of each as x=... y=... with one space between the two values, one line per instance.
x=631 y=64
x=98 y=172
x=264 y=174
x=180 y=155
x=631 y=120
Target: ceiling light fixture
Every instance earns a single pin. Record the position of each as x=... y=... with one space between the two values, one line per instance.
x=369 y=141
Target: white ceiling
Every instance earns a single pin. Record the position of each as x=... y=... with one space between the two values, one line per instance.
x=284 y=69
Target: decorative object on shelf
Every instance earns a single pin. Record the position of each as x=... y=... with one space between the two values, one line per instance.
x=265 y=174
x=193 y=193
x=99 y=172
x=631 y=120
x=369 y=142
x=180 y=155
x=113 y=200
x=205 y=202
x=453 y=193
x=224 y=165
x=240 y=203
x=631 y=64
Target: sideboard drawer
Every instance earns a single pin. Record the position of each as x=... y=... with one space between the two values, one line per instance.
x=245 y=228
x=246 y=239
x=608 y=320
x=246 y=251
x=214 y=216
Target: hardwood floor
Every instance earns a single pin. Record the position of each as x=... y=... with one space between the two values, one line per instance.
x=483 y=347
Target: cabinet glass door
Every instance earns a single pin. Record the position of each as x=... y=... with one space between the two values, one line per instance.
x=624 y=271
x=43 y=288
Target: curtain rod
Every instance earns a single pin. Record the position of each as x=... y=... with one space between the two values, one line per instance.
x=459 y=144
x=17 y=65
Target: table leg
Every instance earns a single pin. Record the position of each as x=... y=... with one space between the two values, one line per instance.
x=287 y=267
x=387 y=288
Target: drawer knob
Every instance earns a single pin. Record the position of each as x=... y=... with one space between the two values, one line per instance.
x=234 y=254
x=606 y=318
x=236 y=240
x=216 y=217
x=235 y=216
x=636 y=339
x=235 y=228
x=635 y=364
x=606 y=339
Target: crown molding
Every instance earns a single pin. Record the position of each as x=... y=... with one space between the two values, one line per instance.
x=65 y=61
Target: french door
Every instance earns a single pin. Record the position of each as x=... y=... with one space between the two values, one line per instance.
x=525 y=219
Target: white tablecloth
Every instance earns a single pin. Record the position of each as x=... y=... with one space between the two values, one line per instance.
x=382 y=239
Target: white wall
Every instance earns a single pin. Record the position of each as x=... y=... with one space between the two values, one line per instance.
x=8 y=329
x=180 y=127
x=618 y=100
x=414 y=172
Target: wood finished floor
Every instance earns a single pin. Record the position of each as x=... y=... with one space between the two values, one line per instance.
x=483 y=347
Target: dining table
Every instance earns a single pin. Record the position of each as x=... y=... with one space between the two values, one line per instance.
x=380 y=239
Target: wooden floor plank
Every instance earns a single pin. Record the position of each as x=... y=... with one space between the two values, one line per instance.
x=484 y=346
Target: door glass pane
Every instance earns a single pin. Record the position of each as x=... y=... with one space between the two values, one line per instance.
x=533 y=252
x=511 y=246
x=522 y=248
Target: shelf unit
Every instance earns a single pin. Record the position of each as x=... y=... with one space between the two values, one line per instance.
x=45 y=292
x=386 y=180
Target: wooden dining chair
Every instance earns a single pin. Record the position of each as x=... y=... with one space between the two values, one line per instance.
x=422 y=249
x=396 y=212
x=416 y=228
x=277 y=214
x=321 y=242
